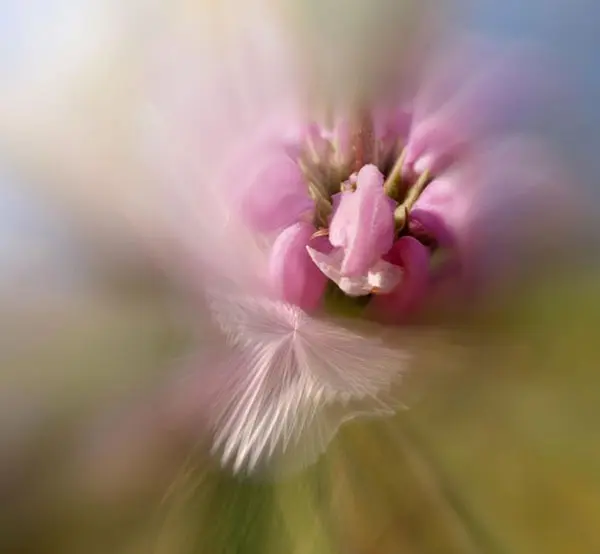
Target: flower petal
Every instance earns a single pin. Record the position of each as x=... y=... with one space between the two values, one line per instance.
x=444 y=206
x=382 y=277
x=289 y=382
x=277 y=194
x=293 y=274
x=432 y=225
x=473 y=89
x=390 y=126
x=414 y=259
x=363 y=224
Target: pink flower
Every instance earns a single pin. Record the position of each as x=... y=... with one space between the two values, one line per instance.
x=284 y=212
x=361 y=232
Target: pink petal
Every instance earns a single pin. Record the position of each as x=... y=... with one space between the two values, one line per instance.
x=444 y=206
x=390 y=126
x=335 y=204
x=434 y=225
x=294 y=276
x=320 y=147
x=276 y=195
x=523 y=202
x=471 y=90
x=414 y=259
x=383 y=276
x=363 y=224
x=433 y=145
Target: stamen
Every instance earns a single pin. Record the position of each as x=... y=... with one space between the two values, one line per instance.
x=392 y=185
x=363 y=141
x=416 y=190
x=310 y=172
x=401 y=213
x=347 y=186
x=323 y=232
x=400 y=218
x=322 y=204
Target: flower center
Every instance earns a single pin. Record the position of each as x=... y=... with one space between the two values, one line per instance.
x=328 y=170
x=331 y=165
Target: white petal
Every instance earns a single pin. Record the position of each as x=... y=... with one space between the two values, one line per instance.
x=355 y=286
x=384 y=277
x=289 y=381
x=329 y=264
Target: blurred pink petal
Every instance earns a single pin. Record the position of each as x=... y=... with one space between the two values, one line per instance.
x=391 y=126
x=413 y=257
x=447 y=199
x=294 y=276
x=276 y=194
x=431 y=223
x=523 y=206
x=466 y=91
